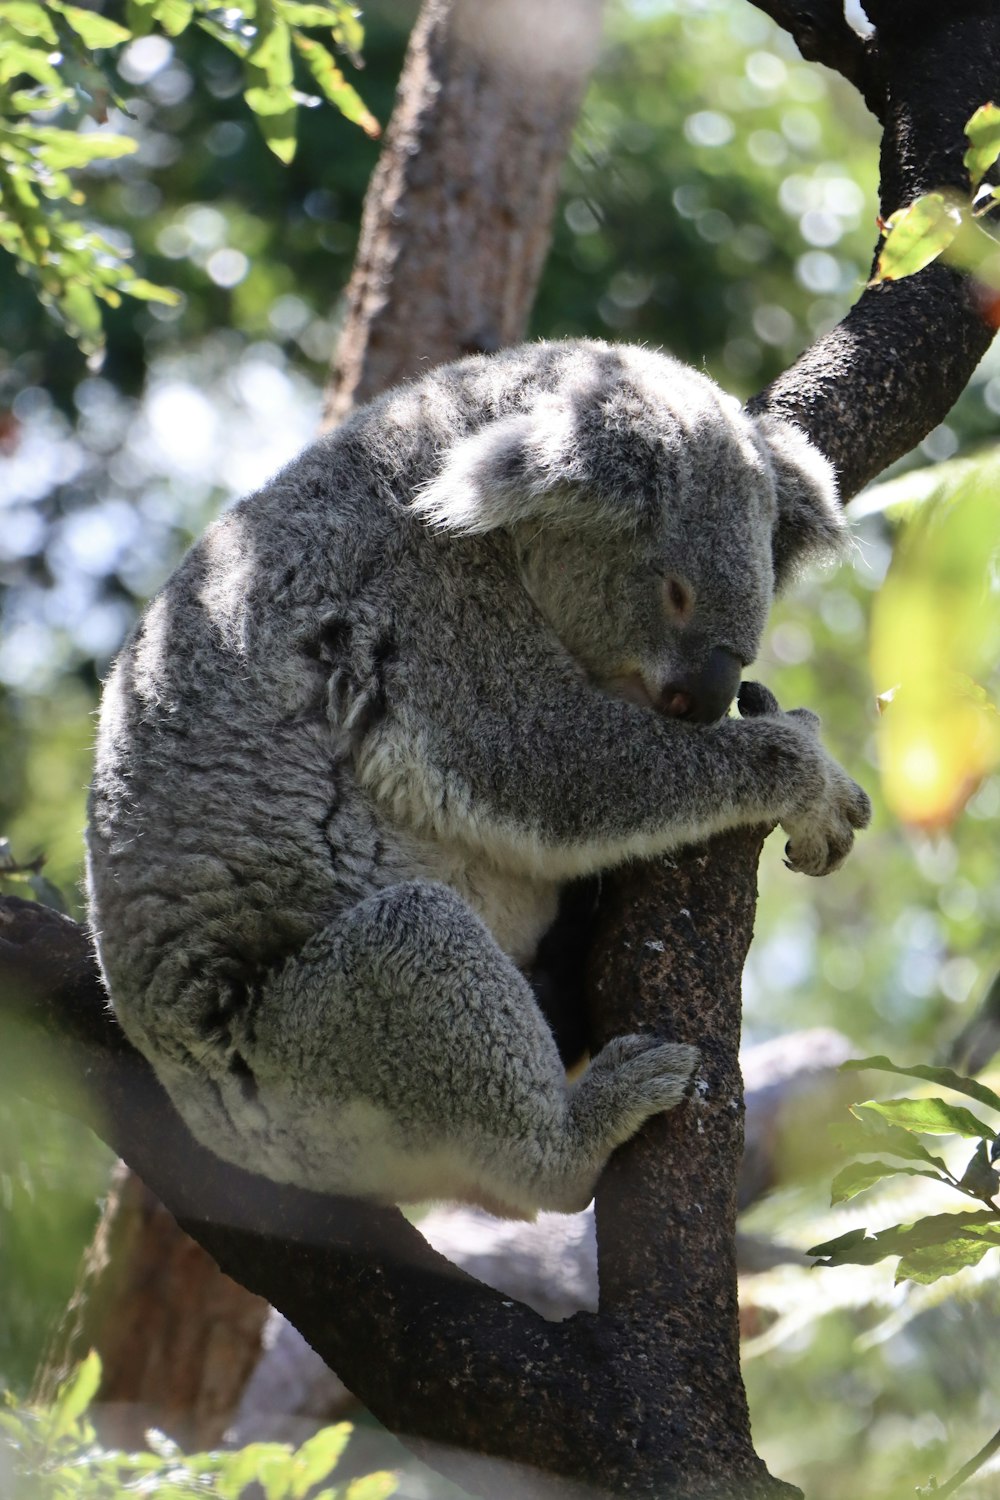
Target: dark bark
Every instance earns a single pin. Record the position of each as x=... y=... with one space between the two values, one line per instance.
x=459 y=1369
x=892 y=369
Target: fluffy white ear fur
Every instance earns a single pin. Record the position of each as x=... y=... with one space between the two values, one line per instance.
x=529 y=466
x=484 y=481
x=810 y=522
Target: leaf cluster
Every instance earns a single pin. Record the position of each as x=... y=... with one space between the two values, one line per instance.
x=55 y=1455
x=56 y=91
x=886 y=1133
x=944 y=223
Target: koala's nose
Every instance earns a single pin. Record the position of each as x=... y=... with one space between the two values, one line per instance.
x=703 y=694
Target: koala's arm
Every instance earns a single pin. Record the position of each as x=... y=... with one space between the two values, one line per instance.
x=562 y=779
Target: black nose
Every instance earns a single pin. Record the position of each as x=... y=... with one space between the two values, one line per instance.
x=703 y=694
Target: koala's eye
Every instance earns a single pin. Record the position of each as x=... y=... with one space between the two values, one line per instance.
x=678 y=598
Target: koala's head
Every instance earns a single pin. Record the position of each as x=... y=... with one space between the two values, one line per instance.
x=652 y=520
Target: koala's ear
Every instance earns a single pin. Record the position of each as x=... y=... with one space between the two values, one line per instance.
x=809 y=524
x=485 y=480
x=536 y=465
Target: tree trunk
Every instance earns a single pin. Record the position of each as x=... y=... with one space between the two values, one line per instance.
x=458 y=216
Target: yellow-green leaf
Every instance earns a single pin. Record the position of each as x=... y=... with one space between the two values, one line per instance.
x=931 y=1117
x=174 y=15
x=335 y=86
x=93 y=30
x=377 y=1486
x=916 y=235
x=148 y=291
x=29 y=19
x=76 y=1394
x=936 y=633
x=983 y=131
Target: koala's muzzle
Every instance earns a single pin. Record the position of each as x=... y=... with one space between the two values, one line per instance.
x=702 y=694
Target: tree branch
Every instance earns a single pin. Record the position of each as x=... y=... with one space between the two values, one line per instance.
x=870 y=390
x=821 y=33
x=605 y=1401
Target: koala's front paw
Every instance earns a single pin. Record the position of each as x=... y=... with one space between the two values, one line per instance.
x=832 y=806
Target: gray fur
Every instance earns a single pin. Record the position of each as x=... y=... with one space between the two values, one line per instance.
x=387 y=706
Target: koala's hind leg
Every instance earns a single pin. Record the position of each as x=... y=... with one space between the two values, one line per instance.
x=402 y=1055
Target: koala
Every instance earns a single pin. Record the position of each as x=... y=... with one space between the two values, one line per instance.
x=476 y=646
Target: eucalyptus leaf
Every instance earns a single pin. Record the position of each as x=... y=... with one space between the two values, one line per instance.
x=916 y=235
x=864 y=1174
x=943 y=1077
x=29 y=19
x=983 y=131
x=876 y=1134
x=335 y=86
x=932 y=1116
x=95 y=31
x=931 y=1262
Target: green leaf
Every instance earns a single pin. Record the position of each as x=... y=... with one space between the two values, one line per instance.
x=850 y=1249
x=983 y=131
x=17 y=58
x=295 y=14
x=931 y=1117
x=94 y=31
x=916 y=235
x=80 y=1389
x=174 y=15
x=944 y=1077
x=932 y=1262
x=148 y=291
x=272 y=54
x=980 y=1176
x=317 y=1458
x=60 y=149
x=858 y=1248
x=335 y=86
x=864 y=1174
x=377 y=1486
x=258 y=1463
x=276 y=114
x=29 y=19
x=876 y=1134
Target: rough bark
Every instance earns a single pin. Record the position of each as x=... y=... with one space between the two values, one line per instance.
x=458 y=217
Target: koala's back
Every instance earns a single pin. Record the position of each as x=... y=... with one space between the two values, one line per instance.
x=227 y=822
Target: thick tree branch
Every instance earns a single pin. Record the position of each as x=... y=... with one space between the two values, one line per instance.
x=871 y=389
x=603 y=1401
x=822 y=35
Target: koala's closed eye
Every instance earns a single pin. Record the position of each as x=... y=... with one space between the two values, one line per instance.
x=470 y=650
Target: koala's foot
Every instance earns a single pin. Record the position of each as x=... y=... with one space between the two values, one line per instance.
x=630 y=1079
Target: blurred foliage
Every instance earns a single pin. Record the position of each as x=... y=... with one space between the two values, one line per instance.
x=720 y=200
x=60 y=111
x=53 y=1453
